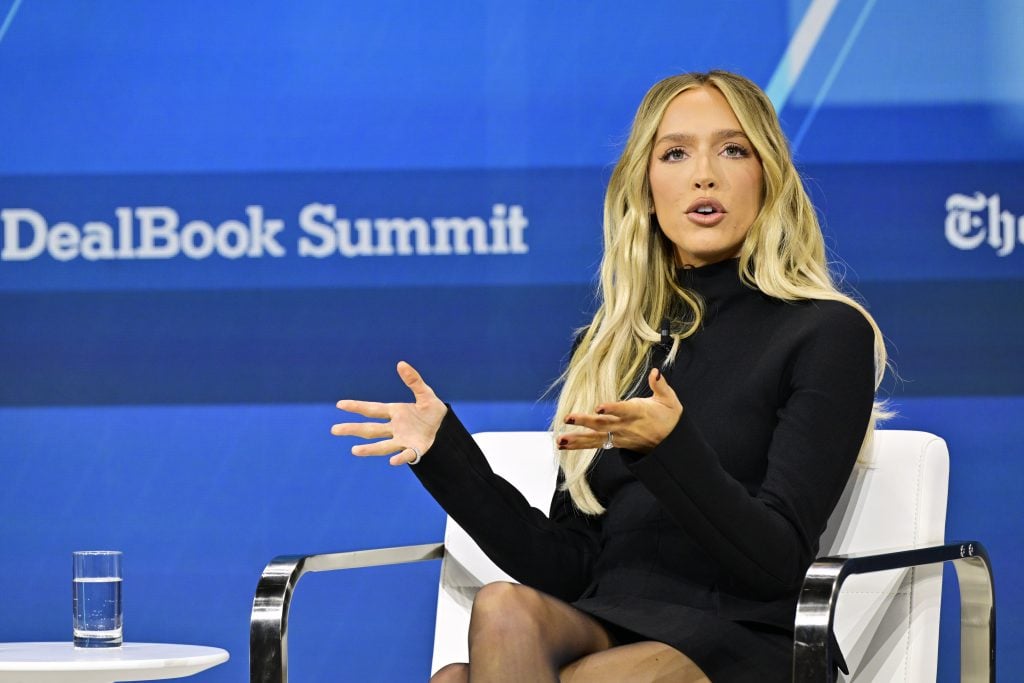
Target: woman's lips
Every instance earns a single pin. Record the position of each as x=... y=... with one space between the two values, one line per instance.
x=706 y=218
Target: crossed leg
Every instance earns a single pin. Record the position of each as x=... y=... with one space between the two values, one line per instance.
x=517 y=633
x=644 y=662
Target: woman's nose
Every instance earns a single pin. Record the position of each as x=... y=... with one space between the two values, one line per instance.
x=703 y=173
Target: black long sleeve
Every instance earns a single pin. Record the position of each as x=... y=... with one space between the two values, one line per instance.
x=766 y=539
x=553 y=554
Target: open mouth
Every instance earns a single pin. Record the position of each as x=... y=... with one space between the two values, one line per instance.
x=706 y=211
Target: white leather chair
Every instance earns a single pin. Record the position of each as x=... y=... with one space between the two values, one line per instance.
x=887 y=535
x=883 y=546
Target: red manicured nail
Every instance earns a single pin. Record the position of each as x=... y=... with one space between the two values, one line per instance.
x=563 y=442
x=570 y=420
x=600 y=411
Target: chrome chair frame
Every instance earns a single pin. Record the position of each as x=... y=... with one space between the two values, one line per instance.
x=812 y=658
x=815 y=610
x=268 y=626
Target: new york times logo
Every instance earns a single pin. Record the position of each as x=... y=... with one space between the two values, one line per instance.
x=158 y=232
x=973 y=220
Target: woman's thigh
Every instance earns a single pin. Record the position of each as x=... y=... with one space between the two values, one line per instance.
x=512 y=612
x=643 y=662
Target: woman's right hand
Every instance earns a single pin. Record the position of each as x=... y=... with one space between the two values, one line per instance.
x=410 y=427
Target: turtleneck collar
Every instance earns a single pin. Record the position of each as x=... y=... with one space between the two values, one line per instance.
x=714 y=282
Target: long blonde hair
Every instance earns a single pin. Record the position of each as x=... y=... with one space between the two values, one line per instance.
x=638 y=287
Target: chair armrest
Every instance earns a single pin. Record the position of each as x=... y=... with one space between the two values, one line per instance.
x=815 y=611
x=268 y=626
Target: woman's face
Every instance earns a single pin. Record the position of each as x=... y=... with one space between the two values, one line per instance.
x=705 y=178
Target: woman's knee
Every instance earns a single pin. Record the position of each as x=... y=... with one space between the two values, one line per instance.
x=451 y=673
x=507 y=607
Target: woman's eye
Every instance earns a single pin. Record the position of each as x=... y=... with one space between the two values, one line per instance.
x=674 y=154
x=735 y=151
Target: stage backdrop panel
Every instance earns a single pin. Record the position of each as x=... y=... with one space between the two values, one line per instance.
x=216 y=219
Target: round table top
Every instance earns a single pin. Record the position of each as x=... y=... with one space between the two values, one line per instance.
x=45 y=662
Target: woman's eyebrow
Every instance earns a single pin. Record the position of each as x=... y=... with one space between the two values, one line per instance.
x=685 y=138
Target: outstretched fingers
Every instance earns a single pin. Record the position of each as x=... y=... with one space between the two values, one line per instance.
x=364 y=430
x=421 y=391
x=385 y=447
x=404 y=457
x=663 y=392
x=597 y=422
x=365 y=408
x=400 y=455
x=407 y=430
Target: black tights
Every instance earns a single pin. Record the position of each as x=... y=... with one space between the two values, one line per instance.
x=519 y=634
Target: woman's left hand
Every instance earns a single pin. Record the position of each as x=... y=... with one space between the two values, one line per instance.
x=637 y=424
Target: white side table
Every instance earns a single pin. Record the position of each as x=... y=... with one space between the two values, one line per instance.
x=63 y=663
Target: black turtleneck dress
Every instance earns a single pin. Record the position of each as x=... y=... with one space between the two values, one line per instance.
x=705 y=540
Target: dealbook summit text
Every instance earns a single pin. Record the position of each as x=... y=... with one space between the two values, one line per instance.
x=158 y=232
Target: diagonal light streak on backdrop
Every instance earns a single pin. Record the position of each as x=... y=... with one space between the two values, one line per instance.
x=8 y=19
x=833 y=72
x=804 y=39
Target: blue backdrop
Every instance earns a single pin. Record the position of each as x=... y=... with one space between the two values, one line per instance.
x=219 y=218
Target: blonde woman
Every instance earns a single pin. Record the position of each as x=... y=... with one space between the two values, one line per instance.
x=708 y=421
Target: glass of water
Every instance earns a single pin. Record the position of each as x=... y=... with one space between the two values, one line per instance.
x=96 y=598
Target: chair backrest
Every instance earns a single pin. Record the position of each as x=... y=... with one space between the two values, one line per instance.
x=887 y=624
x=528 y=461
